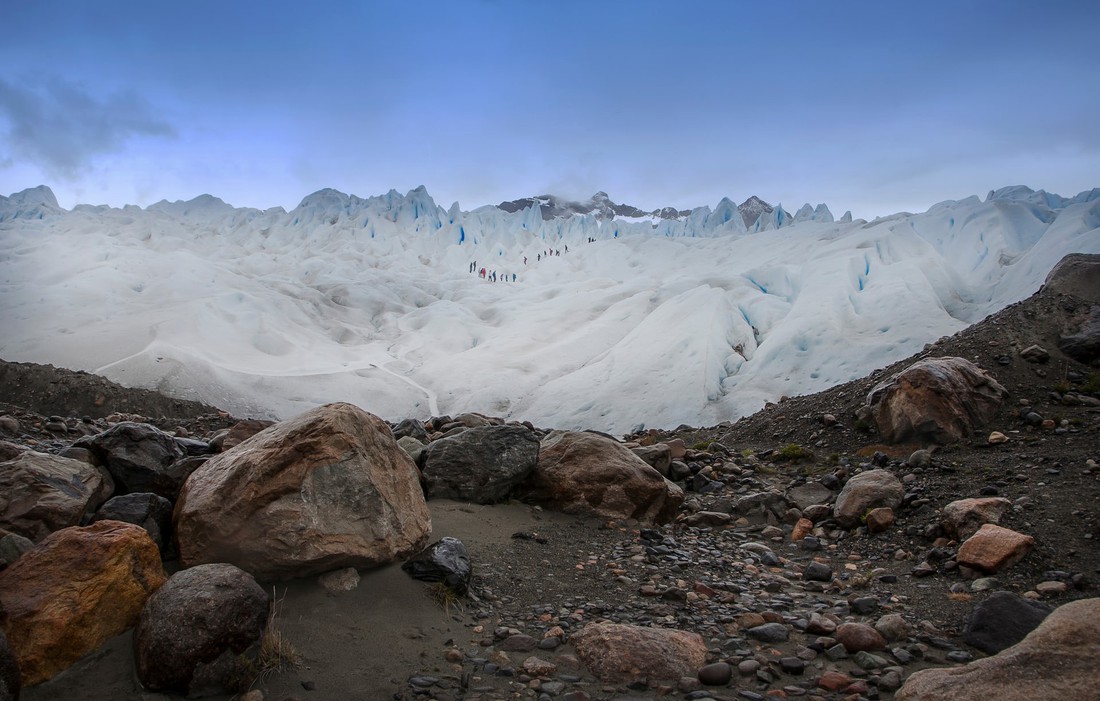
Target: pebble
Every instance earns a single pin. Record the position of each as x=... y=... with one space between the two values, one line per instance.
x=716 y=674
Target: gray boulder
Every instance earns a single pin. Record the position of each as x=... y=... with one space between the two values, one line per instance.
x=1003 y=620
x=140 y=458
x=481 y=465
x=150 y=511
x=866 y=491
x=41 y=493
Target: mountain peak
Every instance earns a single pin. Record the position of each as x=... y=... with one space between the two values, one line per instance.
x=752 y=208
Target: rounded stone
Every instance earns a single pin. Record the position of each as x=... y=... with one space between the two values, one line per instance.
x=716 y=674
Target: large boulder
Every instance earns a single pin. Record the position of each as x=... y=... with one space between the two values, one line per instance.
x=1003 y=620
x=41 y=493
x=150 y=511
x=962 y=518
x=866 y=491
x=1083 y=342
x=617 y=653
x=1056 y=660
x=327 y=489
x=586 y=473
x=140 y=458
x=481 y=465
x=938 y=400
x=1077 y=274
x=192 y=629
x=77 y=589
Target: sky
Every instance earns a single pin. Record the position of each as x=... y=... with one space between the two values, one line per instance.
x=874 y=107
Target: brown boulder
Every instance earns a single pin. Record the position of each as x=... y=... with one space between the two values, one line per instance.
x=327 y=489
x=941 y=400
x=962 y=518
x=1056 y=660
x=866 y=491
x=42 y=493
x=586 y=473
x=617 y=653
x=856 y=637
x=994 y=548
x=77 y=589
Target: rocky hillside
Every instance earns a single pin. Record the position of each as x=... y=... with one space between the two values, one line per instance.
x=831 y=546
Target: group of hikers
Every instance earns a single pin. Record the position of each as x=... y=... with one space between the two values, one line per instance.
x=493 y=276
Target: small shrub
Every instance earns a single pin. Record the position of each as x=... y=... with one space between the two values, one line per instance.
x=792 y=452
x=443 y=595
x=862 y=426
x=702 y=445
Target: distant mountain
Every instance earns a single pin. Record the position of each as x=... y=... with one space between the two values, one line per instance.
x=752 y=208
x=599 y=205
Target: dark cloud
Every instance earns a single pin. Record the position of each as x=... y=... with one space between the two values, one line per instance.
x=62 y=128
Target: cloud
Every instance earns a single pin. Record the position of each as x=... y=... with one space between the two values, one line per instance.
x=62 y=128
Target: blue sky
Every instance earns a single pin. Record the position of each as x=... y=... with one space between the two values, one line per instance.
x=870 y=106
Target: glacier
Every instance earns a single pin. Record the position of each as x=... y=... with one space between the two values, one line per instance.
x=612 y=323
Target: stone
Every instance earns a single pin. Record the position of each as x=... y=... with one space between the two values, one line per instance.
x=880 y=519
x=338 y=581
x=658 y=456
x=1084 y=344
x=12 y=547
x=1002 y=620
x=938 y=400
x=586 y=473
x=413 y=447
x=1035 y=354
x=617 y=653
x=411 y=428
x=480 y=465
x=920 y=458
x=241 y=431
x=9 y=424
x=962 y=518
x=857 y=637
x=327 y=489
x=716 y=674
x=1076 y=274
x=41 y=493
x=994 y=548
x=1051 y=588
x=10 y=683
x=708 y=519
x=150 y=511
x=801 y=529
x=769 y=633
x=805 y=495
x=80 y=587
x=199 y=616
x=1056 y=660
x=997 y=438
x=817 y=572
x=834 y=681
x=820 y=625
x=538 y=667
x=866 y=491
x=140 y=458
x=9 y=451
x=892 y=627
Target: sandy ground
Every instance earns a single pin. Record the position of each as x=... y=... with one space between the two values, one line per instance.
x=360 y=644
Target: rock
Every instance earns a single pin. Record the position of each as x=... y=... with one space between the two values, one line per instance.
x=920 y=458
x=413 y=447
x=140 y=458
x=880 y=519
x=962 y=518
x=801 y=529
x=997 y=438
x=145 y=509
x=1076 y=274
x=9 y=424
x=538 y=667
x=242 y=431
x=9 y=451
x=941 y=400
x=708 y=519
x=658 y=456
x=677 y=447
x=866 y=491
x=806 y=495
x=1002 y=620
x=77 y=589
x=42 y=493
x=200 y=615
x=1051 y=588
x=834 y=681
x=585 y=473
x=1035 y=354
x=616 y=653
x=411 y=428
x=817 y=572
x=716 y=674
x=820 y=625
x=446 y=561
x=1056 y=660
x=769 y=633
x=327 y=489
x=857 y=637
x=10 y=684
x=480 y=465
x=1084 y=345
x=892 y=627
x=994 y=548
x=12 y=547
x=343 y=580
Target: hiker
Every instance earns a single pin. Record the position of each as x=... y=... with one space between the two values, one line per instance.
x=513 y=277
x=525 y=260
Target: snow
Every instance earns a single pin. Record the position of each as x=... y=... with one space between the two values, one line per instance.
x=656 y=323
